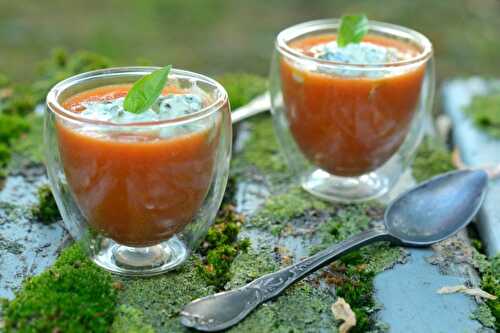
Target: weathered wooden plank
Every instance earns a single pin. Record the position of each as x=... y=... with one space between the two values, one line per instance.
x=476 y=149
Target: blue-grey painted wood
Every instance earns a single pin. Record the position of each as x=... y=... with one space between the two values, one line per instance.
x=26 y=247
x=411 y=304
x=476 y=149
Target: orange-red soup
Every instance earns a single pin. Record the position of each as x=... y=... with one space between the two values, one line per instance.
x=137 y=189
x=349 y=126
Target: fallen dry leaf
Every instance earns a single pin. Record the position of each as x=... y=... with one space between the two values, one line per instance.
x=342 y=311
x=469 y=291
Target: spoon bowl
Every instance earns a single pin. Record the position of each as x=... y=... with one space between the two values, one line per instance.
x=436 y=209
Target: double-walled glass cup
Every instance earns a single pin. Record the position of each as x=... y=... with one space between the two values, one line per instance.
x=139 y=195
x=349 y=131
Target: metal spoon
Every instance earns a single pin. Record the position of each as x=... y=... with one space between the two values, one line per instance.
x=422 y=216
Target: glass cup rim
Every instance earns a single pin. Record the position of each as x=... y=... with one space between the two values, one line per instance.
x=56 y=107
x=303 y=28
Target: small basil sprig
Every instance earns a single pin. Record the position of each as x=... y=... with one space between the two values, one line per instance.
x=352 y=29
x=146 y=90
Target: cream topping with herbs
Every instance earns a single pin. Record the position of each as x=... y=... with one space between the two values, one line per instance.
x=362 y=53
x=166 y=107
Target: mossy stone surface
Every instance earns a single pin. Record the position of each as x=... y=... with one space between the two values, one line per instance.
x=130 y=320
x=302 y=308
x=250 y=265
x=261 y=150
x=161 y=298
x=109 y=303
x=279 y=210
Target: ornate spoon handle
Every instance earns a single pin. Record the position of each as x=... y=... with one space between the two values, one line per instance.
x=271 y=285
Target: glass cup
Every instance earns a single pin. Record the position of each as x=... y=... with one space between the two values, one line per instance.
x=349 y=131
x=139 y=195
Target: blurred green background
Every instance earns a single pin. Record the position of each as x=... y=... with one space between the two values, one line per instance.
x=215 y=36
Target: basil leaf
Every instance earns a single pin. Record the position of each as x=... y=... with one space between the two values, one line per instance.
x=352 y=29
x=146 y=90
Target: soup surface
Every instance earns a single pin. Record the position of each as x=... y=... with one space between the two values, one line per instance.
x=350 y=121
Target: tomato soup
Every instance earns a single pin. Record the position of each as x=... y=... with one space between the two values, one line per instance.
x=137 y=188
x=349 y=125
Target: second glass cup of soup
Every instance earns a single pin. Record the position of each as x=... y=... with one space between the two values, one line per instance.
x=349 y=119
x=140 y=190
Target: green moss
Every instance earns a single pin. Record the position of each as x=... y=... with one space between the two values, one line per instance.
x=15 y=102
x=28 y=146
x=161 y=298
x=12 y=127
x=279 y=209
x=490 y=282
x=22 y=99
x=354 y=273
x=478 y=259
x=5 y=156
x=18 y=100
x=4 y=80
x=261 y=149
x=221 y=246
x=46 y=211
x=483 y=315
x=357 y=290
x=217 y=264
x=477 y=244
x=382 y=256
x=130 y=320
x=302 y=308
x=250 y=265
x=347 y=219
x=242 y=87
x=432 y=159
x=224 y=231
x=62 y=65
x=74 y=295
x=485 y=113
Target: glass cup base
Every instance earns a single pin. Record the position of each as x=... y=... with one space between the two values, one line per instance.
x=345 y=189
x=140 y=261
